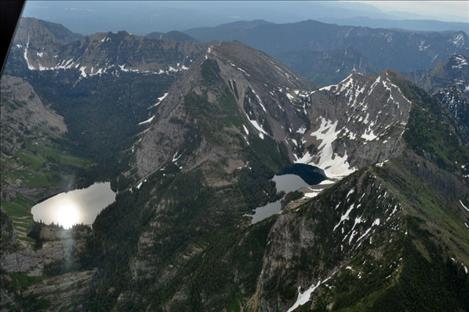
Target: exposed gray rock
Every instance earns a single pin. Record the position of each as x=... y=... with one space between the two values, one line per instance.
x=355 y=123
x=66 y=292
x=22 y=111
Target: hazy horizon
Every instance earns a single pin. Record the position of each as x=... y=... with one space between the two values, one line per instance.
x=143 y=17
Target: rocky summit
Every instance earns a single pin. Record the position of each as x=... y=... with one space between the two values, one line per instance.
x=198 y=140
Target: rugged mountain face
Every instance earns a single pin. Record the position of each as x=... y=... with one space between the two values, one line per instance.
x=449 y=82
x=103 y=84
x=34 y=154
x=187 y=256
x=254 y=84
x=198 y=149
x=106 y=52
x=202 y=164
x=381 y=49
x=42 y=33
x=353 y=124
x=390 y=222
x=36 y=162
x=22 y=109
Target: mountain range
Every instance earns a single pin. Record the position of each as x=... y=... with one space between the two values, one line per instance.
x=326 y=53
x=192 y=135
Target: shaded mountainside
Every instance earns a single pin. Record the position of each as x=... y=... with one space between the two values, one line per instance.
x=43 y=49
x=246 y=94
x=203 y=164
x=36 y=162
x=369 y=242
x=36 y=159
x=103 y=84
x=367 y=238
x=192 y=153
x=376 y=49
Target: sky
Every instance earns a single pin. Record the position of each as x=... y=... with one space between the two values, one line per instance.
x=440 y=10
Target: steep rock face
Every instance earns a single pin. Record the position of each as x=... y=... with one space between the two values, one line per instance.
x=33 y=167
x=312 y=244
x=23 y=111
x=390 y=222
x=456 y=103
x=199 y=153
x=371 y=226
x=64 y=292
x=103 y=84
x=202 y=153
x=353 y=124
x=58 y=248
x=42 y=34
x=257 y=86
x=100 y=53
x=49 y=276
x=200 y=167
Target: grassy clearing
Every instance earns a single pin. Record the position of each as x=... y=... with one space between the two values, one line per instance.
x=19 y=210
x=40 y=154
x=37 y=166
x=23 y=281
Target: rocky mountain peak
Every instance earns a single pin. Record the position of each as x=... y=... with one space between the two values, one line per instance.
x=40 y=33
x=40 y=49
x=354 y=123
x=255 y=88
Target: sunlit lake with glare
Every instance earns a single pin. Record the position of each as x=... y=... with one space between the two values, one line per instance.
x=80 y=206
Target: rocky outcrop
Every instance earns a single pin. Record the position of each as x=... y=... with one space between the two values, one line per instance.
x=57 y=246
x=65 y=292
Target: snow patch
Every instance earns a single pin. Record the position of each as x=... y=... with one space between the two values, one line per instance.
x=245 y=130
x=375 y=223
x=345 y=216
x=460 y=62
x=259 y=100
x=301 y=130
x=146 y=121
x=464 y=206
x=159 y=100
x=256 y=125
x=304 y=297
x=333 y=165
